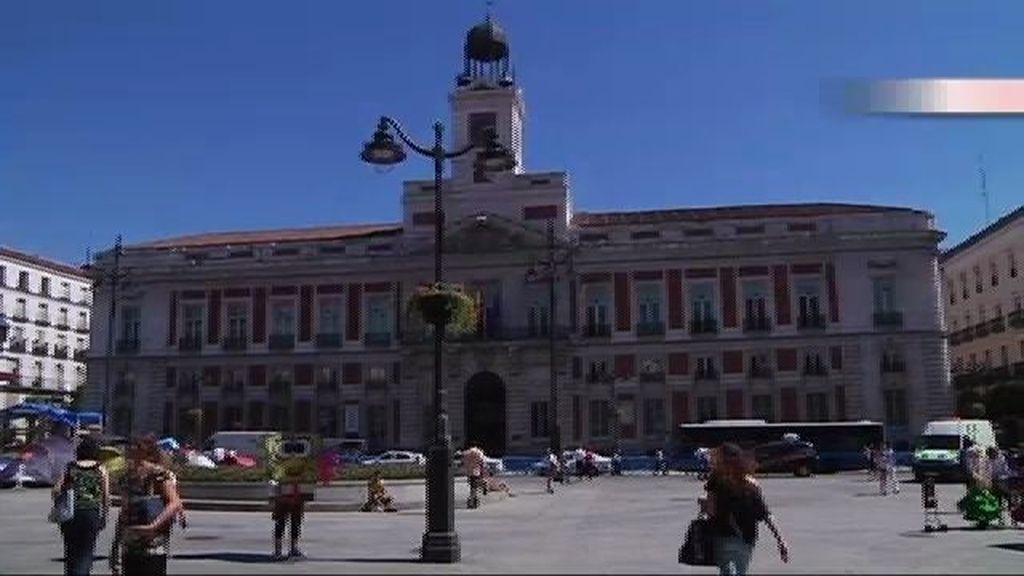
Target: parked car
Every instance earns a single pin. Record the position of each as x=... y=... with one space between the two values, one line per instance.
x=602 y=463
x=794 y=456
x=494 y=465
x=395 y=458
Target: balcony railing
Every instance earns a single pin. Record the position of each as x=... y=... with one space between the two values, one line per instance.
x=658 y=376
x=326 y=388
x=376 y=383
x=706 y=374
x=80 y=355
x=62 y=325
x=19 y=316
x=810 y=322
x=281 y=341
x=234 y=342
x=82 y=328
x=981 y=329
x=893 y=366
x=650 y=328
x=1016 y=319
x=190 y=343
x=760 y=372
x=40 y=349
x=597 y=330
x=17 y=347
x=377 y=339
x=704 y=326
x=328 y=340
x=815 y=369
x=997 y=325
x=37 y=382
x=42 y=321
x=599 y=377
x=128 y=346
x=888 y=319
x=757 y=324
x=60 y=352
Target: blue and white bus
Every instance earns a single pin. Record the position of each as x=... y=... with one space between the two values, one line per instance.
x=840 y=445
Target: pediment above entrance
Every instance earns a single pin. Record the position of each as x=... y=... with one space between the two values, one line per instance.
x=490 y=233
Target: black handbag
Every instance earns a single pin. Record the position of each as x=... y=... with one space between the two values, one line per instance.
x=143 y=510
x=698 y=547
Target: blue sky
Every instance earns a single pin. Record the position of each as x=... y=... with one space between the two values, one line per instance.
x=154 y=119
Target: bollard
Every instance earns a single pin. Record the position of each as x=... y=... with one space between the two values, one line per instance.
x=930 y=504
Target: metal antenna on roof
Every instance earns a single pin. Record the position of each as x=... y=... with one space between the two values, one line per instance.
x=984 y=186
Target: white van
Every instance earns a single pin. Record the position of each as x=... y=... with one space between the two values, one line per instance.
x=939 y=449
x=249 y=443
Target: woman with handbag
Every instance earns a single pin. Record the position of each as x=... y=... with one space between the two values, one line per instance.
x=149 y=506
x=735 y=506
x=84 y=494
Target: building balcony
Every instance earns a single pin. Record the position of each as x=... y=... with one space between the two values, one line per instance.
x=650 y=328
x=60 y=352
x=82 y=328
x=80 y=355
x=1016 y=319
x=997 y=325
x=190 y=343
x=377 y=339
x=64 y=297
x=280 y=390
x=888 y=319
x=326 y=389
x=893 y=366
x=37 y=382
x=967 y=334
x=981 y=330
x=597 y=330
x=599 y=378
x=281 y=341
x=815 y=370
x=757 y=325
x=19 y=316
x=233 y=391
x=40 y=349
x=706 y=374
x=234 y=343
x=810 y=322
x=704 y=326
x=42 y=321
x=759 y=372
x=62 y=325
x=328 y=340
x=17 y=347
x=128 y=346
x=651 y=376
x=23 y=288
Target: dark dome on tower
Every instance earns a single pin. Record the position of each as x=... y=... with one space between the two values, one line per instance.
x=486 y=42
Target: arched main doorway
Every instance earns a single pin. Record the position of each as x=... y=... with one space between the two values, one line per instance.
x=485 y=413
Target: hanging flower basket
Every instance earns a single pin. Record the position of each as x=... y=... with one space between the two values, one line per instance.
x=445 y=305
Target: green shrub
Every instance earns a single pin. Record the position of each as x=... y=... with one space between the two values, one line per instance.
x=261 y=474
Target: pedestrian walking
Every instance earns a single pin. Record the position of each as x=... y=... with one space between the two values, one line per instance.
x=869 y=457
x=89 y=485
x=473 y=460
x=149 y=506
x=735 y=506
x=553 y=466
x=590 y=464
x=660 y=465
x=886 y=466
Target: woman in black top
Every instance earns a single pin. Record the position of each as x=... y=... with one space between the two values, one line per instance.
x=735 y=506
x=88 y=480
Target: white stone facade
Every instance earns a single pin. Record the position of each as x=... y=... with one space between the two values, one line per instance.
x=44 y=307
x=786 y=312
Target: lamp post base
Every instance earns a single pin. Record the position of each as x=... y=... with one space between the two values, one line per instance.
x=440 y=542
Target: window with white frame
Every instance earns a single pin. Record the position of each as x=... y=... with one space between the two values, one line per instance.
x=59 y=371
x=331 y=308
x=755 y=299
x=884 y=292
x=994 y=273
x=282 y=314
x=648 y=297
x=538 y=315
x=808 y=293
x=964 y=292
x=978 y=284
x=596 y=315
x=762 y=407
x=597 y=370
x=378 y=314
x=1004 y=356
x=131 y=323
x=706 y=367
x=1011 y=264
x=237 y=313
x=951 y=291
x=377 y=375
x=702 y=302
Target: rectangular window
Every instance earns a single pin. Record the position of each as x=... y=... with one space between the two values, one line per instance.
x=238 y=320
x=648 y=303
x=378 y=315
x=817 y=407
x=884 y=297
x=192 y=316
x=44 y=286
x=65 y=290
x=351 y=417
x=600 y=418
x=330 y=321
x=1011 y=263
x=1004 y=356
x=755 y=297
x=706 y=367
x=707 y=408
x=256 y=415
x=978 y=285
x=808 y=301
x=538 y=315
x=964 y=294
x=597 y=371
x=282 y=314
x=377 y=422
x=654 y=417
x=702 y=303
x=131 y=323
x=994 y=273
x=596 y=321
x=951 y=290
x=23 y=281
x=762 y=407
x=896 y=408
x=988 y=358
x=539 y=419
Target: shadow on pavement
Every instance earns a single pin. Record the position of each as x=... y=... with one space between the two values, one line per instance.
x=239 y=557
x=1013 y=547
x=95 y=559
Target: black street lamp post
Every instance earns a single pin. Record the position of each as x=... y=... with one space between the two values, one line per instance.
x=440 y=542
x=113 y=278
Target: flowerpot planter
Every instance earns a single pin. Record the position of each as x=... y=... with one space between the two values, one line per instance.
x=437 y=308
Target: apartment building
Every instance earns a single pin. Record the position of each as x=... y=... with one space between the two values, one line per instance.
x=784 y=312
x=44 y=312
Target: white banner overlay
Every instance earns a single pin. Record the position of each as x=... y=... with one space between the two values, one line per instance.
x=974 y=96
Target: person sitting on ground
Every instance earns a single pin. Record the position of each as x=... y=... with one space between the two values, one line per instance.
x=377 y=497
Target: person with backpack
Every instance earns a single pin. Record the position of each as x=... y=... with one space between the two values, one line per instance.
x=734 y=507
x=87 y=483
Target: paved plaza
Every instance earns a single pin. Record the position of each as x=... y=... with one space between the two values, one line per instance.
x=834 y=524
